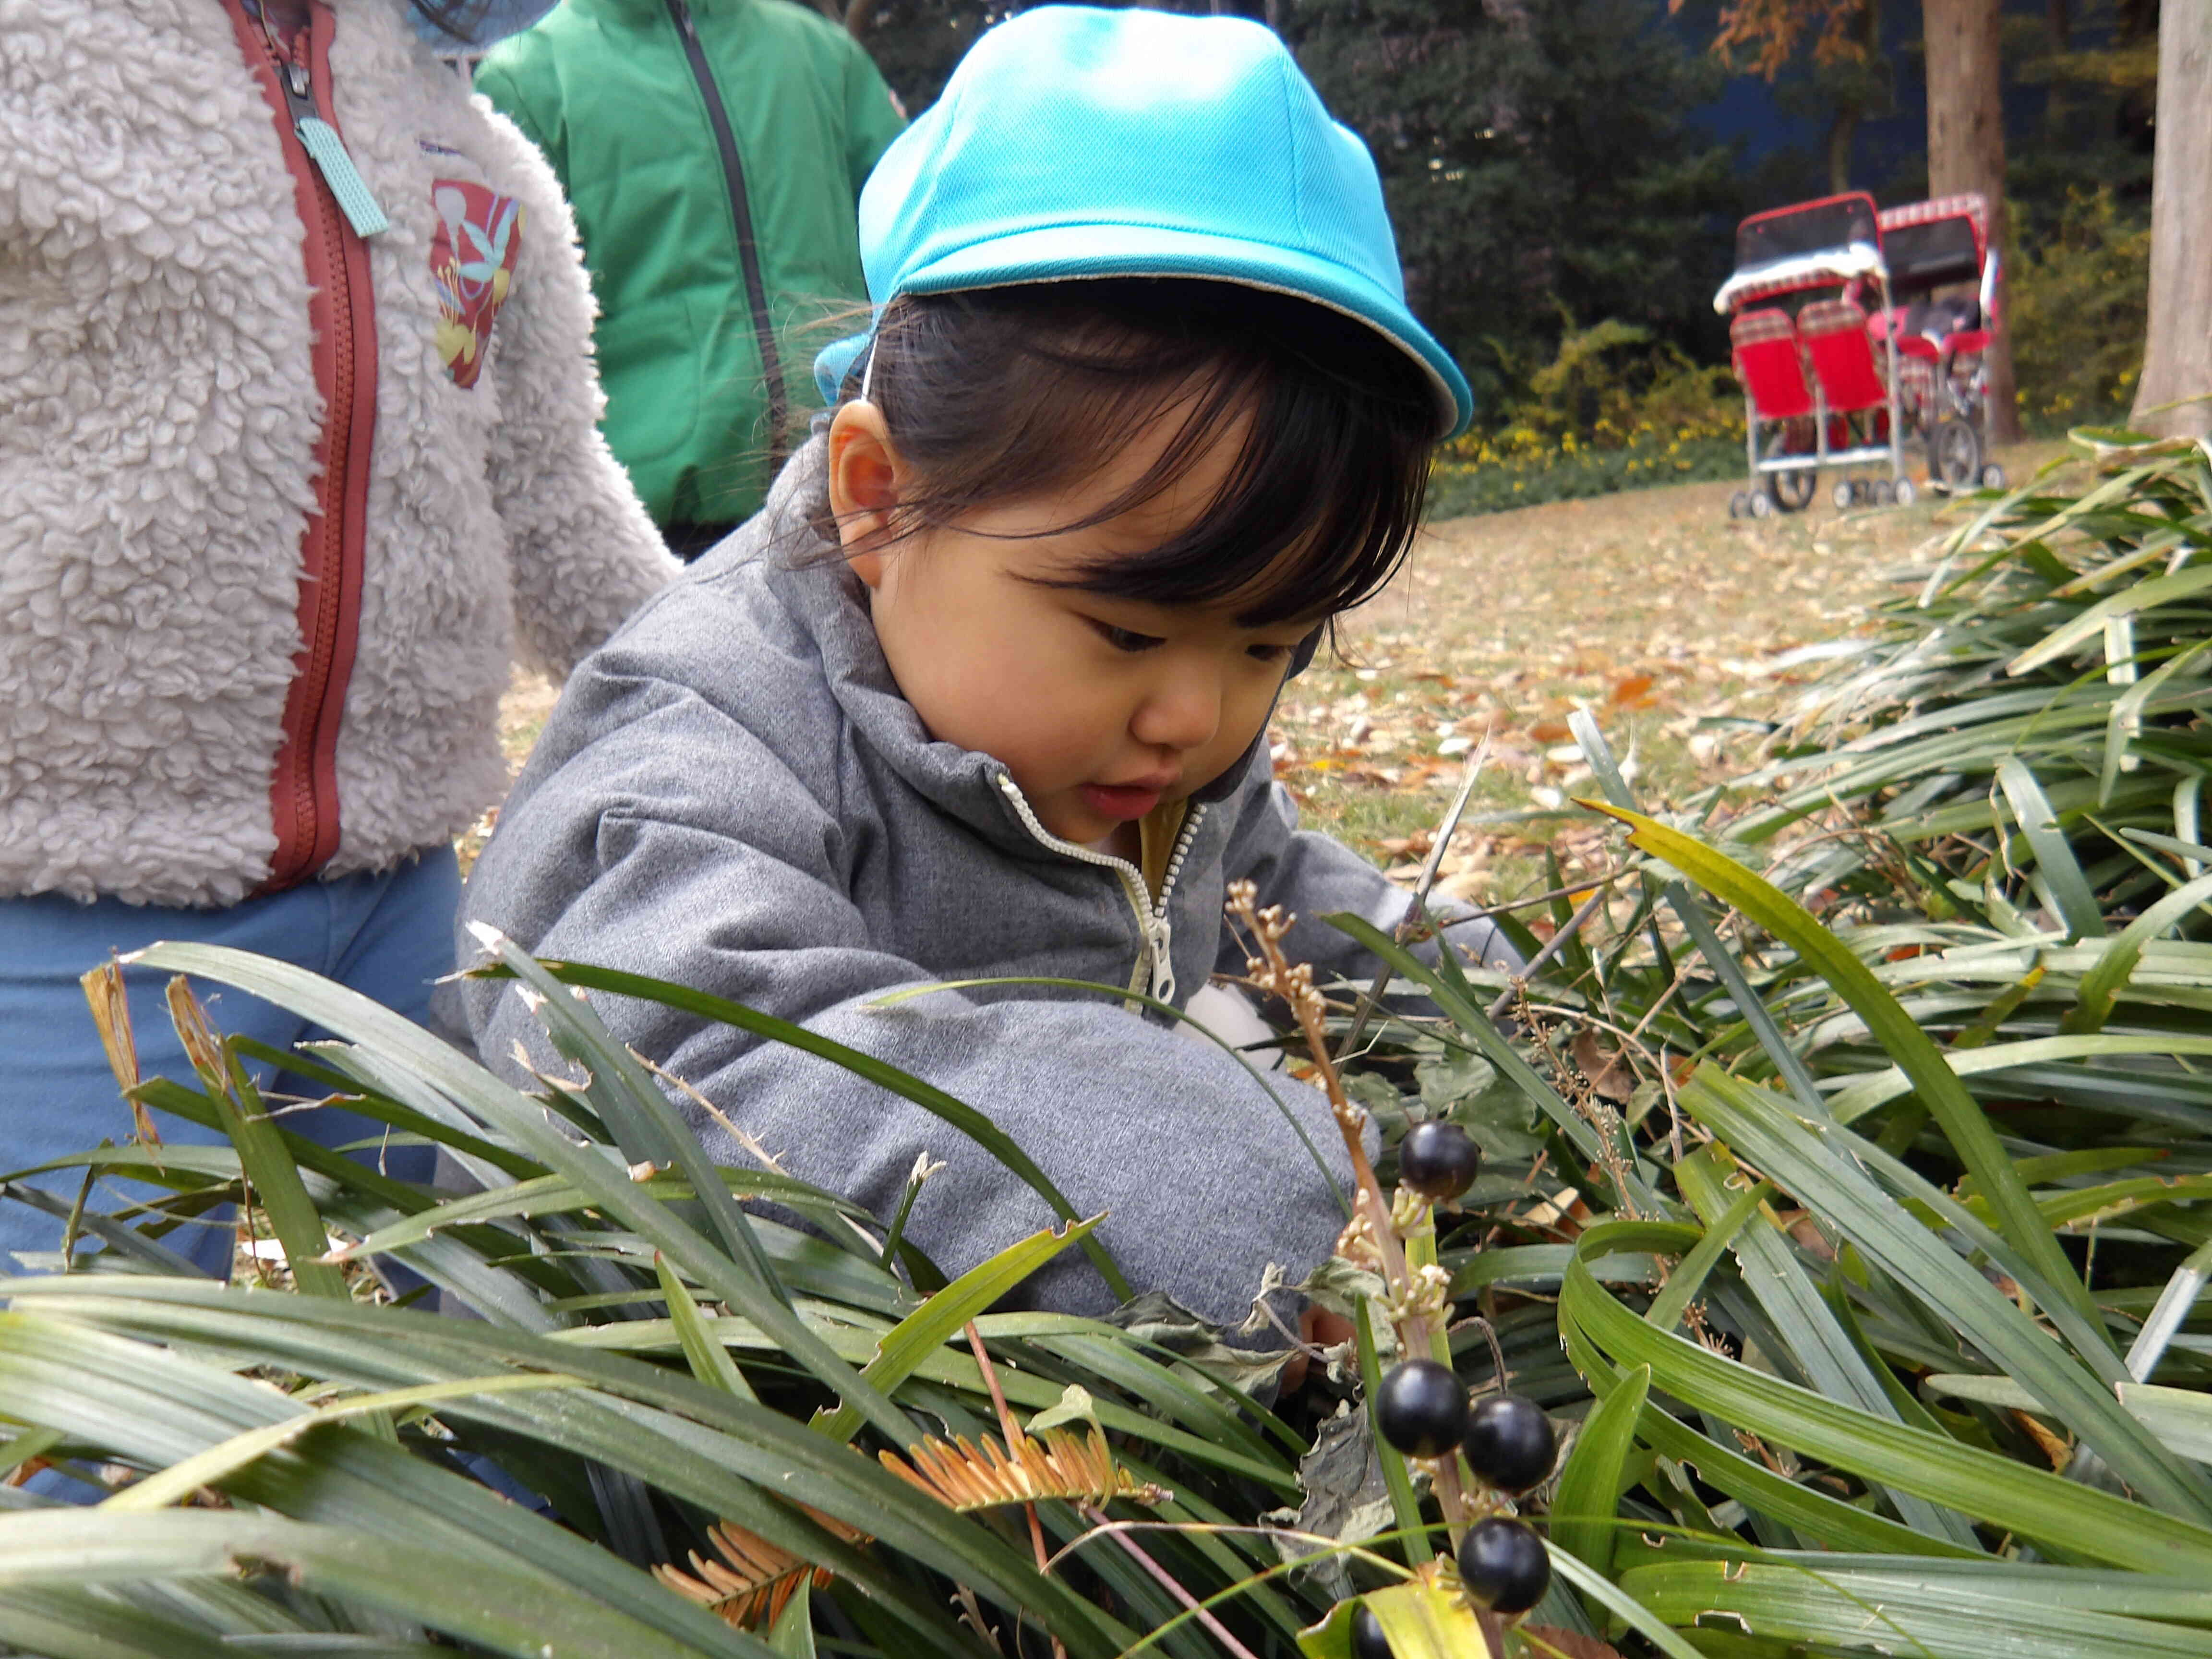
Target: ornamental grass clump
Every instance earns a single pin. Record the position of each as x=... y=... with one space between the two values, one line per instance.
x=1826 y=1279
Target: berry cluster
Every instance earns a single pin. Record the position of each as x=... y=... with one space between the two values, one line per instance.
x=1421 y=1409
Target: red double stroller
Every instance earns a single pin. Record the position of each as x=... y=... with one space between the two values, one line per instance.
x=1829 y=387
x=1942 y=340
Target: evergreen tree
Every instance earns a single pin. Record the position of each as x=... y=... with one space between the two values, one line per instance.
x=1538 y=164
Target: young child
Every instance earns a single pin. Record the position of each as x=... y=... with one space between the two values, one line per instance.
x=983 y=689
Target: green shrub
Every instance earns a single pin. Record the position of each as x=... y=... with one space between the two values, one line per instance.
x=2078 y=310
x=1612 y=410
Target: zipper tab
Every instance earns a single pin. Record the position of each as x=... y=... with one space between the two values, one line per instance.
x=351 y=191
x=1157 y=965
x=1159 y=935
x=326 y=149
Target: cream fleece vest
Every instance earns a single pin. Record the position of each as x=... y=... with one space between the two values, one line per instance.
x=158 y=416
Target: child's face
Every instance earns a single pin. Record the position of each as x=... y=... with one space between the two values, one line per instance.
x=1100 y=707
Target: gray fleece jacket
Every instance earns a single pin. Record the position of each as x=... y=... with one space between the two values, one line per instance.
x=733 y=795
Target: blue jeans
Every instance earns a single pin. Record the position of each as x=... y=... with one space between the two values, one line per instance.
x=389 y=936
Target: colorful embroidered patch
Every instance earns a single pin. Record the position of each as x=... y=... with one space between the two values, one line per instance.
x=472 y=254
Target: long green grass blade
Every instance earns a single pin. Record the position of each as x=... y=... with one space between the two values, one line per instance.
x=932 y=1324
x=358 y=1019
x=1755 y=1123
x=1997 y=1489
x=965 y=1118
x=2032 y=811
x=1589 y=1492
x=1937 y=1085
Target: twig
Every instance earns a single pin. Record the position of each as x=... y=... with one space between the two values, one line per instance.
x=1450 y=828
x=1553 y=946
x=1012 y=1433
x=1167 y=1581
x=1490 y=1334
x=1603 y=878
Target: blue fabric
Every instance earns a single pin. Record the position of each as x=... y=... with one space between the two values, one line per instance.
x=388 y=935
x=1075 y=142
x=487 y=24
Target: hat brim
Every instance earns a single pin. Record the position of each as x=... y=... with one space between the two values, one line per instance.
x=1060 y=254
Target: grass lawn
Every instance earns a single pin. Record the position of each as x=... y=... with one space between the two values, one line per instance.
x=1650 y=607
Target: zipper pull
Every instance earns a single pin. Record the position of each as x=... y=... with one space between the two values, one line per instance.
x=1159 y=936
x=325 y=149
x=354 y=198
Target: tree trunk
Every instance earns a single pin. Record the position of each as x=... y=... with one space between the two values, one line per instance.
x=1966 y=148
x=2177 y=353
x=1842 y=126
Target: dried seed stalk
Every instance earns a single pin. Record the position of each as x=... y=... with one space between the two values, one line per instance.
x=1414 y=1302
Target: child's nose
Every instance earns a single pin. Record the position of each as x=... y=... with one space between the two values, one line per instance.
x=1182 y=713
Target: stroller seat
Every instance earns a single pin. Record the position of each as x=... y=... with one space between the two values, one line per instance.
x=1917 y=347
x=1770 y=364
x=1841 y=346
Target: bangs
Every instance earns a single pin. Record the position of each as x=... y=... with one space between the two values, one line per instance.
x=1317 y=509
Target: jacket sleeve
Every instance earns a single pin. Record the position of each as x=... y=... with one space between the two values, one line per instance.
x=583 y=553
x=1312 y=875
x=727 y=874
x=503 y=77
x=873 y=117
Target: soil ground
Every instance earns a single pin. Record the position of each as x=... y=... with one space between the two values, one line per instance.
x=1669 y=621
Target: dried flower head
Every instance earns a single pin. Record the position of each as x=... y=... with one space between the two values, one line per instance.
x=1056 y=1464
x=748 y=1586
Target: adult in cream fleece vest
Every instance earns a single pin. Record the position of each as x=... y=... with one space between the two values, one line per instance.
x=283 y=487
x=195 y=702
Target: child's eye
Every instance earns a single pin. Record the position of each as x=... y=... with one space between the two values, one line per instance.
x=1268 y=653
x=1127 y=639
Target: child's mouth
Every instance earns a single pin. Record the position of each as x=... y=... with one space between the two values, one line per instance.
x=1119 y=800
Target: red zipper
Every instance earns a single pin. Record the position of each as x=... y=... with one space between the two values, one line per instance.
x=303 y=791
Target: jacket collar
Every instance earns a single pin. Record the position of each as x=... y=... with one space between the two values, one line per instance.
x=809 y=577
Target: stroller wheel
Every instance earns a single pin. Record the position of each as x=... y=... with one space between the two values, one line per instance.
x=1906 y=494
x=1885 y=493
x=1790 y=492
x=1739 y=504
x=1841 y=495
x=1993 y=476
x=1955 y=455
x=1762 y=505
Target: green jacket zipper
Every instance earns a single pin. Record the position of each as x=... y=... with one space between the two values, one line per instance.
x=741 y=215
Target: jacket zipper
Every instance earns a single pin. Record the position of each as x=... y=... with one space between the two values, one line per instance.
x=741 y=213
x=303 y=792
x=1155 y=958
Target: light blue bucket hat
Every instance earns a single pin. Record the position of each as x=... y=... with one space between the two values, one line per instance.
x=1075 y=142
x=486 y=24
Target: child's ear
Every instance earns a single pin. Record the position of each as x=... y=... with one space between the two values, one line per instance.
x=865 y=473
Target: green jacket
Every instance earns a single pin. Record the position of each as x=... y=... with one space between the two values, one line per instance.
x=608 y=89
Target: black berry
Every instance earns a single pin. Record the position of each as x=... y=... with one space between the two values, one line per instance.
x=1420 y=1408
x=1508 y=1443
x=1504 y=1567
x=1437 y=1161
x=1368 y=1641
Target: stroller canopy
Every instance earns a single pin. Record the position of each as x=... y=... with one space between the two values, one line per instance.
x=1811 y=244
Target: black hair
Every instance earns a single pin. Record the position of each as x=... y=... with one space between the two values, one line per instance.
x=997 y=393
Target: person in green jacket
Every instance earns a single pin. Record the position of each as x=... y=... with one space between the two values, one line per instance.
x=714 y=151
